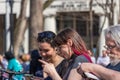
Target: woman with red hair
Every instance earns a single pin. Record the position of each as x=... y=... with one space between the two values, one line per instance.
x=73 y=49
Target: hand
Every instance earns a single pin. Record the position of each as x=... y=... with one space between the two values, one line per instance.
x=85 y=67
x=80 y=71
x=84 y=70
x=90 y=53
x=48 y=67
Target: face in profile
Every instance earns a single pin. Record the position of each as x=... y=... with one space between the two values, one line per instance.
x=65 y=51
x=46 y=51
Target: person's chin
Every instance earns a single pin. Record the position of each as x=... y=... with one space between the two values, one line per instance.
x=65 y=57
x=114 y=61
x=46 y=59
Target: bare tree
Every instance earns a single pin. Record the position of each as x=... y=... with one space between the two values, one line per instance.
x=91 y=23
x=20 y=28
x=36 y=21
x=47 y=3
x=21 y=25
x=111 y=17
x=108 y=9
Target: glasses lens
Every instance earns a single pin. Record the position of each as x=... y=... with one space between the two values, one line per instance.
x=106 y=47
x=109 y=47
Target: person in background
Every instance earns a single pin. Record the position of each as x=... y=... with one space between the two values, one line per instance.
x=94 y=50
x=20 y=59
x=112 y=40
x=26 y=62
x=73 y=49
x=92 y=56
x=14 y=65
x=103 y=60
x=3 y=62
x=35 y=65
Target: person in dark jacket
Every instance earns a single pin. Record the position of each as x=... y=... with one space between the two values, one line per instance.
x=35 y=65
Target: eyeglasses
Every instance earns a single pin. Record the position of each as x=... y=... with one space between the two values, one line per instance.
x=46 y=34
x=109 y=47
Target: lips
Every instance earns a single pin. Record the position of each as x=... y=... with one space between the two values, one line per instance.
x=47 y=58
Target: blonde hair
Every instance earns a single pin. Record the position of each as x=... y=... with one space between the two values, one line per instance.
x=25 y=57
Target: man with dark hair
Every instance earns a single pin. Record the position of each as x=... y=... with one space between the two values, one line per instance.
x=35 y=65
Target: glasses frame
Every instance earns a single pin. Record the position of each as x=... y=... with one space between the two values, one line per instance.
x=109 y=47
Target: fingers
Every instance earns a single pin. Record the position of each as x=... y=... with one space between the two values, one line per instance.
x=43 y=62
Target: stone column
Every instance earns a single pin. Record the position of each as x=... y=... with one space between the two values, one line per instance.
x=26 y=42
x=7 y=27
x=116 y=12
x=50 y=23
x=102 y=36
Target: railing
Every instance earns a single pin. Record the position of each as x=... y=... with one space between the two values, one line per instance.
x=8 y=75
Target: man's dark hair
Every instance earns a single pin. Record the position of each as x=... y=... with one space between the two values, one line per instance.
x=34 y=63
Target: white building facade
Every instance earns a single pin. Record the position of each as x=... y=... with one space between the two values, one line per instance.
x=7 y=8
x=69 y=6
x=65 y=13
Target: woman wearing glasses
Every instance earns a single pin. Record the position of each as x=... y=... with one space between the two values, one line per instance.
x=112 y=39
x=73 y=49
x=49 y=53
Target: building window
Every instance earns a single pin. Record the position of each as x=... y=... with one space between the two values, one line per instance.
x=81 y=26
x=81 y=23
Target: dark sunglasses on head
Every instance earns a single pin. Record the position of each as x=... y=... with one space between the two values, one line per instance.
x=46 y=34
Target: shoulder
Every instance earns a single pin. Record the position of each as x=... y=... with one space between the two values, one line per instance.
x=99 y=58
x=81 y=58
x=11 y=61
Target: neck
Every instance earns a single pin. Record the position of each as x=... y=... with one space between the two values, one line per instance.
x=57 y=60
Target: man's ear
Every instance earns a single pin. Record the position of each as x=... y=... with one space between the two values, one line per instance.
x=69 y=42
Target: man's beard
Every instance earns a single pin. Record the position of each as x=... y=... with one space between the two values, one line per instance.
x=114 y=59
